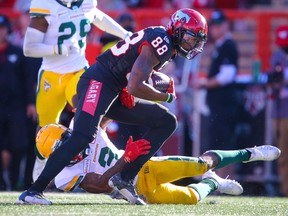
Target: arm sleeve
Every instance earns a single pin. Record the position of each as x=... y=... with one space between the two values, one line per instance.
x=34 y=47
x=33 y=44
x=107 y=24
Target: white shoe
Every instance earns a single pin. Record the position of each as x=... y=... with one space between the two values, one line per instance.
x=32 y=198
x=38 y=168
x=263 y=153
x=226 y=186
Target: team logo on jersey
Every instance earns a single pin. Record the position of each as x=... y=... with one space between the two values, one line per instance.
x=47 y=85
x=166 y=39
x=146 y=170
x=182 y=16
x=75 y=8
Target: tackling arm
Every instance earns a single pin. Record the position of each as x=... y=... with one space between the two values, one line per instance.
x=96 y=183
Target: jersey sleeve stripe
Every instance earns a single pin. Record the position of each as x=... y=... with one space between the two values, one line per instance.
x=39 y=11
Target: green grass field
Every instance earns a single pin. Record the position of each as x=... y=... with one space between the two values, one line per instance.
x=91 y=204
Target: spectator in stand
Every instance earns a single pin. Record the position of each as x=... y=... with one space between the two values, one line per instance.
x=278 y=79
x=16 y=100
x=220 y=86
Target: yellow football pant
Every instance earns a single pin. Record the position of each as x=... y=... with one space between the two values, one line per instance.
x=53 y=92
x=155 y=176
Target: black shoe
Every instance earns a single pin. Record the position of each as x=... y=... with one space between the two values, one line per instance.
x=126 y=189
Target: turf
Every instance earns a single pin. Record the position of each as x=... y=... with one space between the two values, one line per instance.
x=91 y=204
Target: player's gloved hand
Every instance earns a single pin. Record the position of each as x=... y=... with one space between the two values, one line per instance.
x=171 y=92
x=136 y=148
x=127 y=99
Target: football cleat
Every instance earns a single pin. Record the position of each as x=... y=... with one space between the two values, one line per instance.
x=263 y=153
x=116 y=195
x=225 y=186
x=126 y=189
x=33 y=198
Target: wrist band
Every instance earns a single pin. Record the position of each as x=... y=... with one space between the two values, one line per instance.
x=169 y=98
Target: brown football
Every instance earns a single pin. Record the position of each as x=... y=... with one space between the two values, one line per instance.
x=159 y=81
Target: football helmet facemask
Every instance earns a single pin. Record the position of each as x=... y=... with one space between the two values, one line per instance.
x=51 y=136
x=188 y=29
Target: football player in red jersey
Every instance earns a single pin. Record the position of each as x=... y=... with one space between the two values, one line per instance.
x=99 y=86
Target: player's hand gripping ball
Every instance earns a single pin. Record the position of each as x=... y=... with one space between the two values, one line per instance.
x=159 y=81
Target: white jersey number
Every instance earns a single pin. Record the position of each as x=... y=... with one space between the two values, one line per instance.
x=162 y=49
x=117 y=51
x=124 y=47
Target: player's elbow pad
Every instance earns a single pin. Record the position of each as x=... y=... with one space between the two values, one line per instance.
x=33 y=44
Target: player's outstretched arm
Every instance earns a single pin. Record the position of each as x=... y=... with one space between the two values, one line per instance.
x=96 y=183
x=109 y=25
